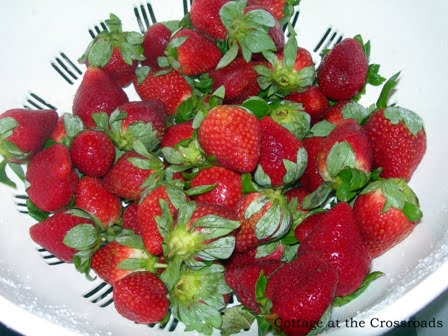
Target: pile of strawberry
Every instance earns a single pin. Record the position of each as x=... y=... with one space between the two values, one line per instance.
x=244 y=168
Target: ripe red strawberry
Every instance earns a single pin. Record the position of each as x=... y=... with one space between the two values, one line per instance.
x=23 y=132
x=155 y=41
x=398 y=139
x=171 y=88
x=282 y=156
x=311 y=178
x=115 y=51
x=141 y=297
x=231 y=134
x=177 y=133
x=204 y=15
x=345 y=110
x=97 y=93
x=125 y=179
x=314 y=102
x=228 y=189
x=338 y=240
x=130 y=218
x=304 y=229
x=346 y=146
x=50 y=234
x=93 y=153
x=302 y=290
x=93 y=198
x=343 y=71
x=386 y=212
x=195 y=55
x=238 y=260
x=67 y=127
x=243 y=279
x=52 y=178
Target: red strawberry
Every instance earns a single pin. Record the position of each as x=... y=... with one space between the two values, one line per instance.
x=298 y=193
x=347 y=146
x=313 y=101
x=93 y=198
x=116 y=52
x=130 y=218
x=238 y=260
x=282 y=157
x=93 y=153
x=228 y=189
x=67 y=127
x=125 y=178
x=280 y=9
x=141 y=297
x=154 y=44
x=343 y=71
x=231 y=134
x=311 y=178
x=50 y=234
x=97 y=93
x=398 y=139
x=23 y=132
x=177 y=133
x=386 y=212
x=345 y=110
x=195 y=55
x=304 y=229
x=171 y=88
x=52 y=178
x=204 y=15
x=337 y=239
x=302 y=290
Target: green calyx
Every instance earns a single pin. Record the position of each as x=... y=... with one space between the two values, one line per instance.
x=187 y=153
x=412 y=121
x=291 y=116
x=8 y=149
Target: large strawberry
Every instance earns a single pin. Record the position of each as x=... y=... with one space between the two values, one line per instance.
x=23 y=132
x=97 y=93
x=155 y=40
x=386 y=211
x=141 y=297
x=204 y=15
x=232 y=135
x=52 y=178
x=282 y=156
x=115 y=51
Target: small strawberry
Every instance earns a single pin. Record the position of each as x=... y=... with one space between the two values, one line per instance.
x=92 y=152
x=171 y=88
x=115 y=51
x=386 y=211
x=346 y=110
x=297 y=193
x=292 y=116
x=228 y=186
x=338 y=240
x=204 y=15
x=304 y=229
x=311 y=178
x=314 y=102
x=282 y=156
x=141 y=297
x=97 y=93
x=177 y=133
x=93 y=198
x=67 y=127
x=280 y=9
x=52 y=179
x=232 y=135
x=130 y=218
x=155 y=41
x=50 y=234
x=23 y=132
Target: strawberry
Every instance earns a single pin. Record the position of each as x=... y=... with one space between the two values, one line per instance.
x=337 y=238
x=130 y=218
x=298 y=193
x=115 y=51
x=92 y=152
x=50 y=234
x=23 y=132
x=280 y=9
x=177 y=133
x=67 y=127
x=52 y=179
x=93 y=198
x=204 y=15
x=314 y=102
x=386 y=212
x=155 y=41
x=171 y=88
x=126 y=177
x=346 y=110
x=291 y=116
x=304 y=229
x=191 y=53
x=238 y=260
x=231 y=134
x=302 y=290
x=311 y=178
x=343 y=71
x=282 y=157
x=97 y=93
x=228 y=186
x=141 y=297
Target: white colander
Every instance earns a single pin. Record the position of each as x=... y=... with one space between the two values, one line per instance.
x=41 y=41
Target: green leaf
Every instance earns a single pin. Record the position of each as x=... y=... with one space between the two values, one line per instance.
x=132 y=264
x=290 y=50
x=172 y=273
x=340 y=156
x=18 y=170
x=130 y=240
x=317 y=197
x=393 y=194
x=81 y=237
x=248 y=186
x=4 y=177
x=412 y=212
x=260 y=294
x=261 y=177
x=141 y=73
x=268 y=224
x=228 y=57
x=35 y=212
x=114 y=23
x=260 y=17
x=322 y=129
x=373 y=76
x=343 y=300
x=258 y=106
x=413 y=122
x=290 y=252
x=101 y=120
x=199 y=190
x=266 y=249
x=258 y=41
x=100 y=54
x=7 y=125
x=256 y=206
x=72 y=124
x=235 y=319
x=354 y=110
x=219 y=249
x=382 y=102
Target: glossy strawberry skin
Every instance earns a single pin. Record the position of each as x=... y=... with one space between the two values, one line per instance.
x=97 y=93
x=93 y=153
x=204 y=15
x=177 y=133
x=343 y=71
x=50 y=234
x=53 y=179
x=141 y=297
x=232 y=135
x=395 y=149
x=311 y=178
x=228 y=189
x=334 y=113
x=276 y=7
x=117 y=69
x=314 y=102
x=304 y=229
x=130 y=218
x=155 y=40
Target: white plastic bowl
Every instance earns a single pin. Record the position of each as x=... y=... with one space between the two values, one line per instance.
x=37 y=299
